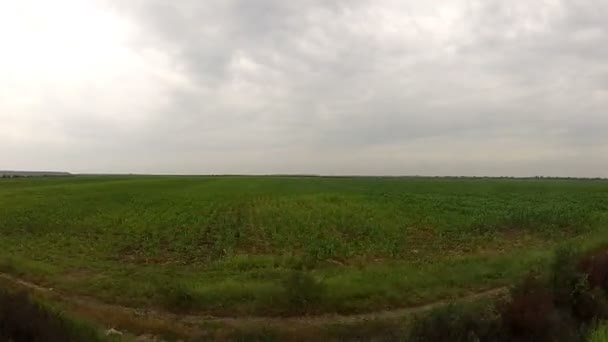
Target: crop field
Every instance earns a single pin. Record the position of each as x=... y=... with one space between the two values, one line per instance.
x=278 y=246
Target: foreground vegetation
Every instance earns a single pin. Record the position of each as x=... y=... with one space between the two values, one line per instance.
x=289 y=245
x=599 y=334
x=568 y=304
x=23 y=319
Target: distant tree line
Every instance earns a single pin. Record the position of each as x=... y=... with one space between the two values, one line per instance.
x=21 y=174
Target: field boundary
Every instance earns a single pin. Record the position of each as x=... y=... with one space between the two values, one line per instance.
x=88 y=304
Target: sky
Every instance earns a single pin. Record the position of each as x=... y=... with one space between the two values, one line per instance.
x=354 y=87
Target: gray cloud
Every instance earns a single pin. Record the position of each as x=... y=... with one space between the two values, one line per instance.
x=339 y=87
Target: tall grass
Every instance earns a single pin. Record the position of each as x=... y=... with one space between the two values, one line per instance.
x=599 y=334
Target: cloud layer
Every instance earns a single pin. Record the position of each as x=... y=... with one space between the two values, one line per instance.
x=332 y=87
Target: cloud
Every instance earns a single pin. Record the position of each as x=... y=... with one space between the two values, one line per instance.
x=339 y=87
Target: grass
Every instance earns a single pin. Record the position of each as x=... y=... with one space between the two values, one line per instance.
x=229 y=245
x=599 y=334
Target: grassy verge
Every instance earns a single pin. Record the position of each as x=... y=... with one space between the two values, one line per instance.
x=230 y=288
x=562 y=304
x=599 y=334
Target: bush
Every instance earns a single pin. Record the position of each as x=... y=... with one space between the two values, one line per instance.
x=588 y=303
x=531 y=314
x=559 y=307
x=579 y=283
x=595 y=266
x=302 y=290
x=22 y=319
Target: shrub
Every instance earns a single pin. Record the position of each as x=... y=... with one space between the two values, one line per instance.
x=559 y=307
x=302 y=290
x=595 y=266
x=530 y=314
x=588 y=303
x=579 y=283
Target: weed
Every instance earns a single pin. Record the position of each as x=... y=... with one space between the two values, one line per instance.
x=599 y=333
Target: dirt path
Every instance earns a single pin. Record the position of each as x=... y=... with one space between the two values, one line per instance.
x=145 y=320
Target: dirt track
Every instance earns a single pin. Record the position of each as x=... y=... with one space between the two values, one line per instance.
x=143 y=320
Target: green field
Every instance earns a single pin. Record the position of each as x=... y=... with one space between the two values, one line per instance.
x=226 y=245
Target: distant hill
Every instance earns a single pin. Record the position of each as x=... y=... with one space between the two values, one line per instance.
x=9 y=173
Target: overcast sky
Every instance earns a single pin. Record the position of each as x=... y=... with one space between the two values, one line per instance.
x=479 y=87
